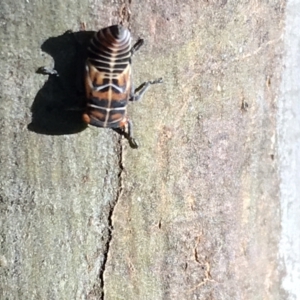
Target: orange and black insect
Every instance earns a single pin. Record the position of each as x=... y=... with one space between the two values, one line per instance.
x=108 y=80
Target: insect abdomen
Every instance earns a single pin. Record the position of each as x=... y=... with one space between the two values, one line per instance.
x=108 y=77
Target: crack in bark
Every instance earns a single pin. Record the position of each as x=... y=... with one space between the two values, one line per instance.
x=110 y=216
x=125 y=13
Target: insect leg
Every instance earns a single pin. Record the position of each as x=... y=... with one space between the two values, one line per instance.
x=137 y=46
x=141 y=90
x=125 y=129
x=46 y=71
x=132 y=142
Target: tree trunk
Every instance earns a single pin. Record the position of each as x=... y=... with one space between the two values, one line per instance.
x=194 y=212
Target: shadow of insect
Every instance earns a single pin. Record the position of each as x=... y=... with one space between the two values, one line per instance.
x=58 y=105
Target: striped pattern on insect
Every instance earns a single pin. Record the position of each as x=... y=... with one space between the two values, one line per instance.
x=108 y=80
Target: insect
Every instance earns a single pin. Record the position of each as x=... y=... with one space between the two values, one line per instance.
x=108 y=80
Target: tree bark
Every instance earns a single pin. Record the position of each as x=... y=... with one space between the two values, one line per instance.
x=193 y=213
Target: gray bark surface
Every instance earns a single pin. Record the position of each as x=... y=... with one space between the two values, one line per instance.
x=194 y=212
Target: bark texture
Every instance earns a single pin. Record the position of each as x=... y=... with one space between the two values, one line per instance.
x=194 y=212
